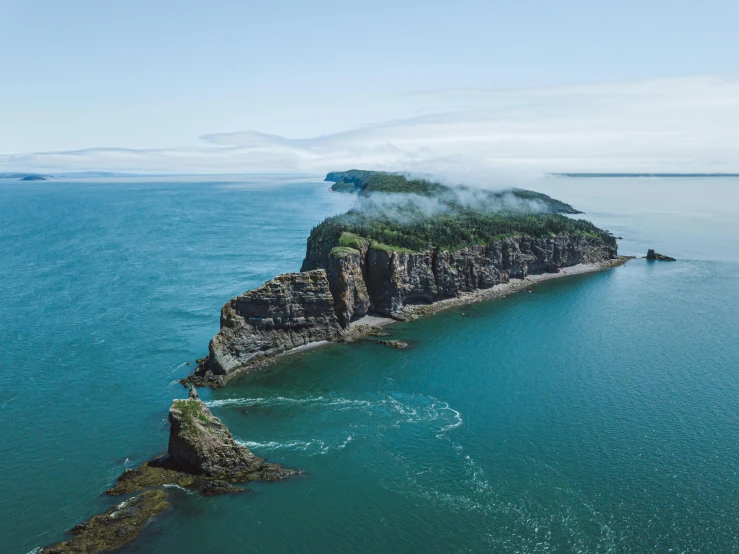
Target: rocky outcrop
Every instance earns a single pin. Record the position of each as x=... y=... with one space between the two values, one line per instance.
x=654 y=256
x=114 y=528
x=200 y=444
x=289 y=311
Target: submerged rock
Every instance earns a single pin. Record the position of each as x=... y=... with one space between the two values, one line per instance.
x=114 y=528
x=393 y=343
x=654 y=256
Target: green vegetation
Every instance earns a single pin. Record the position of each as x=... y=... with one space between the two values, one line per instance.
x=367 y=182
x=350 y=240
x=449 y=231
x=339 y=251
x=428 y=215
x=190 y=410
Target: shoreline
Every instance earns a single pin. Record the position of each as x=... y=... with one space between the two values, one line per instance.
x=365 y=325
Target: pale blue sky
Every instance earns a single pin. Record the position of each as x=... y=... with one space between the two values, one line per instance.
x=159 y=74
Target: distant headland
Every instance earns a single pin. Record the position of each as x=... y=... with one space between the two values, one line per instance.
x=598 y=175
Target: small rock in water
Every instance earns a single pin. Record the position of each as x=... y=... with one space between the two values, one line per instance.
x=654 y=256
x=394 y=343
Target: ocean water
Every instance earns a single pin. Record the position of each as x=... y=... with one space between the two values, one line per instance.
x=597 y=413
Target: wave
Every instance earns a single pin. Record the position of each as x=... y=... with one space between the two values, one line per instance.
x=426 y=408
x=281 y=400
x=373 y=418
x=312 y=447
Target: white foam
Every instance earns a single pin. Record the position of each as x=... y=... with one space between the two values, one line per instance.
x=277 y=400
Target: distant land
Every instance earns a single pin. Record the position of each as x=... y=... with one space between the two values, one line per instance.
x=27 y=176
x=24 y=176
x=645 y=174
x=348 y=175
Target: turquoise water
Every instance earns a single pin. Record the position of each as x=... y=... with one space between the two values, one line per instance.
x=598 y=413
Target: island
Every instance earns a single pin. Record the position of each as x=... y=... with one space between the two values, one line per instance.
x=410 y=247
x=24 y=176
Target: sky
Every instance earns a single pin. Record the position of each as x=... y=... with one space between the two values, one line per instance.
x=278 y=86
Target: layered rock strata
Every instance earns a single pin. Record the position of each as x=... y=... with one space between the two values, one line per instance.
x=289 y=311
x=384 y=281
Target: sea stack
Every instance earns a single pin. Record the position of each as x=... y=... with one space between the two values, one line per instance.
x=654 y=256
x=200 y=444
x=202 y=454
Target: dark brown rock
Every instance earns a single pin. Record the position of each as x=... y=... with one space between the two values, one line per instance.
x=115 y=528
x=653 y=256
x=291 y=310
x=393 y=343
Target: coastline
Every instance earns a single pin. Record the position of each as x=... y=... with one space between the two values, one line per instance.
x=365 y=325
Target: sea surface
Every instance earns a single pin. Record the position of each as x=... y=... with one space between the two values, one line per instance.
x=596 y=413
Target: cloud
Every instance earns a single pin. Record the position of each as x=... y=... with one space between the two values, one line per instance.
x=668 y=125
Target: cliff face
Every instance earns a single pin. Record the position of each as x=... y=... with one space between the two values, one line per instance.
x=381 y=280
x=291 y=310
x=339 y=283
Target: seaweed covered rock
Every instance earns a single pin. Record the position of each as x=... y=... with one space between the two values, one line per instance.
x=114 y=528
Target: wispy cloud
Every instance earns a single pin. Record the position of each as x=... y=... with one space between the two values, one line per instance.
x=685 y=124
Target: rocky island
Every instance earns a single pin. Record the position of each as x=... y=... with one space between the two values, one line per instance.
x=202 y=455
x=409 y=246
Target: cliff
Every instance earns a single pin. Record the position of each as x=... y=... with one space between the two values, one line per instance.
x=289 y=311
x=369 y=262
x=375 y=278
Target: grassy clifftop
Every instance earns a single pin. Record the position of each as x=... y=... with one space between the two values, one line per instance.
x=418 y=214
